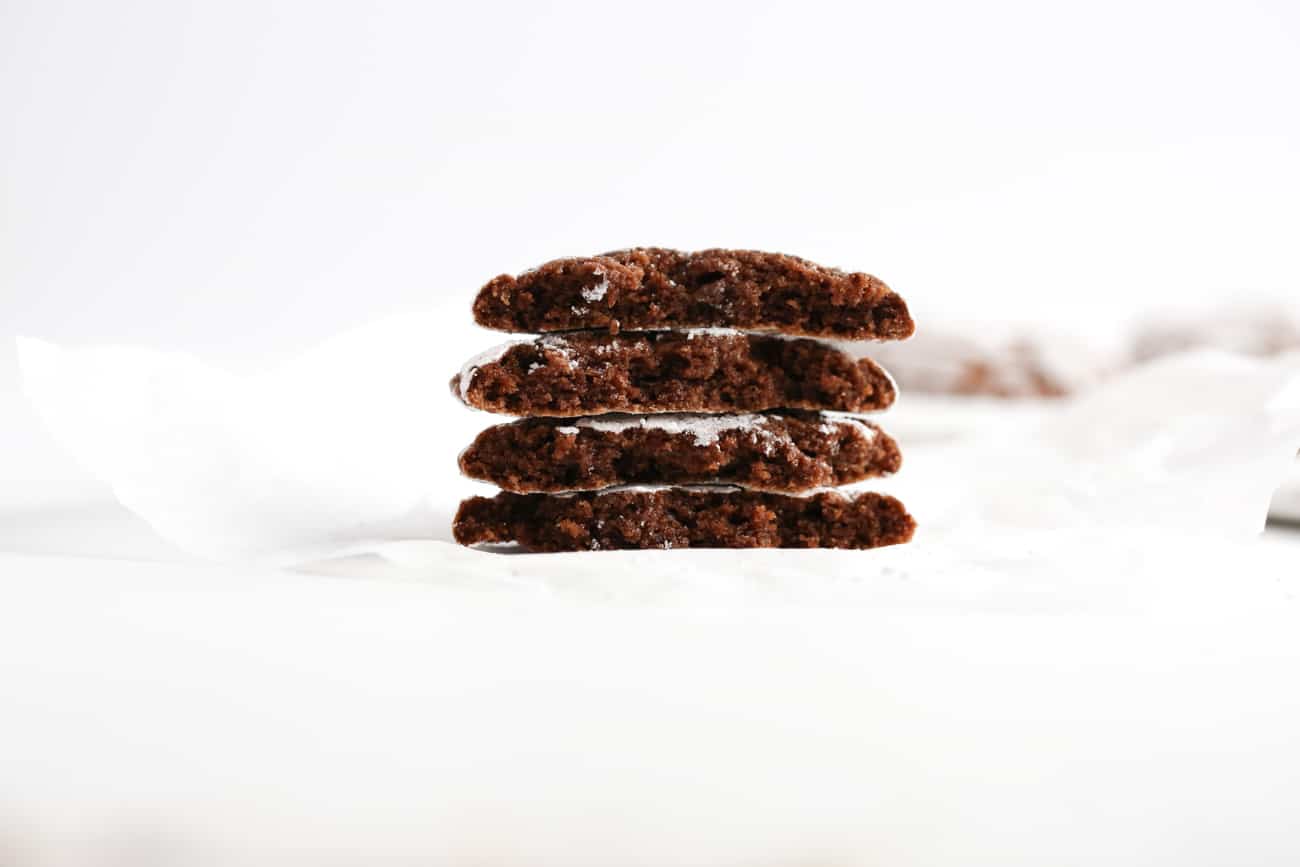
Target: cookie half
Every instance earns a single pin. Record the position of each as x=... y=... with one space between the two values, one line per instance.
x=781 y=451
x=653 y=288
x=698 y=517
x=704 y=370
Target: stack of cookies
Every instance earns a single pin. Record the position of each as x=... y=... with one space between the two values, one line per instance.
x=680 y=400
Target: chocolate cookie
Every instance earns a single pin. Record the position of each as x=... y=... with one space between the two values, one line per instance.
x=683 y=518
x=652 y=288
x=706 y=370
x=1252 y=327
x=1018 y=367
x=772 y=452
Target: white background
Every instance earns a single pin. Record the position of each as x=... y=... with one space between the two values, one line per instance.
x=242 y=179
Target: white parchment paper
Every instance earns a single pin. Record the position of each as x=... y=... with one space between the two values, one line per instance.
x=351 y=449
x=1005 y=690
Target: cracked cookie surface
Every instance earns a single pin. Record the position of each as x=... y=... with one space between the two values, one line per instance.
x=649 y=288
x=779 y=451
x=703 y=370
x=683 y=517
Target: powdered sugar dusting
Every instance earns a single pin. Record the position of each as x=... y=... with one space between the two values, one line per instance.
x=692 y=333
x=558 y=344
x=642 y=489
x=712 y=489
x=596 y=293
x=829 y=418
x=773 y=333
x=553 y=343
x=470 y=368
x=651 y=489
x=705 y=428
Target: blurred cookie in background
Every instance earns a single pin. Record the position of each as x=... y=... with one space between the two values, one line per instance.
x=953 y=385
x=977 y=381
x=1017 y=366
x=1257 y=328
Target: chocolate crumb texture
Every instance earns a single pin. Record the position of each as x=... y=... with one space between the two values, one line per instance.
x=651 y=288
x=683 y=400
x=709 y=370
x=780 y=451
x=683 y=517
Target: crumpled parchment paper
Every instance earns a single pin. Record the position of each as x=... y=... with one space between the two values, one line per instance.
x=983 y=695
x=350 y=449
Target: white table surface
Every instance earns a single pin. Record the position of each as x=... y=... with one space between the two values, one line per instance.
x=244 y=716
x=153 y=704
